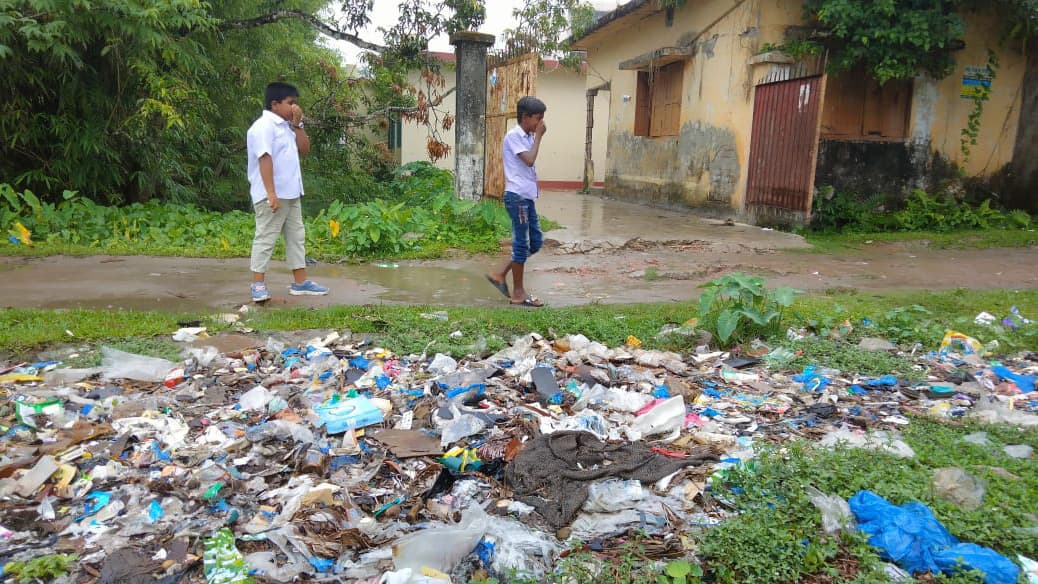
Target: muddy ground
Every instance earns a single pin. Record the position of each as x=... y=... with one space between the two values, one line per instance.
x=608 y=251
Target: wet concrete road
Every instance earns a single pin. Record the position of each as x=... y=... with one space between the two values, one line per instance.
x=608 y=251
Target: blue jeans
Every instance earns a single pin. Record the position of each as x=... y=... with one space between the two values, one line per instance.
x=526 y=227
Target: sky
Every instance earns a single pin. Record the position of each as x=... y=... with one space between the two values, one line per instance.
x=499 y=18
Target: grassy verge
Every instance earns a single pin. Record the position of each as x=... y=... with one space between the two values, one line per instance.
x=908 y=316
x=975 y=239
x=778 y=537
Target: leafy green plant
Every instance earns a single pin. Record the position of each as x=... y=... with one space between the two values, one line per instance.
x=834 y=211
x=420 y=215
x=1019 y=219
x=680 y=572
x=42 y=569
x=944 y=212
x=737 y=307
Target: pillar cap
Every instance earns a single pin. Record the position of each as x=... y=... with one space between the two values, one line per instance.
x=471 y=36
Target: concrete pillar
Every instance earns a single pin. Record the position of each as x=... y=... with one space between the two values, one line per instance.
x=924 y=113
x=470 y=128
x=589 y=163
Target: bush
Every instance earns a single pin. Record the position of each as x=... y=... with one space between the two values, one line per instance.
x=943 y=212
x=418 y=214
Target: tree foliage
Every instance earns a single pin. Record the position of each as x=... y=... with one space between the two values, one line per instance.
x=898 y=39
x=130 y=100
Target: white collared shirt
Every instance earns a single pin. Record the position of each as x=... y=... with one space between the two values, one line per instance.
x=271 y=134
x=520 y=178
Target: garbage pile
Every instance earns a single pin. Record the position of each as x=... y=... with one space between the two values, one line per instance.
x=338 y=460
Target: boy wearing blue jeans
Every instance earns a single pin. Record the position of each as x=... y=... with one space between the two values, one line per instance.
x=521 y=146
x=275 y=142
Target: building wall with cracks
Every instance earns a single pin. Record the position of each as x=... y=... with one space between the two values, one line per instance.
x=932 y=150
x=705 y=163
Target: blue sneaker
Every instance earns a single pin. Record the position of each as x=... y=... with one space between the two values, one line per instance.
x=259 y=292
x=307 y=288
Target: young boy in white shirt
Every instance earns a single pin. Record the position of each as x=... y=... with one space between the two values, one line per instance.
x=521 y=146
x=275 y=142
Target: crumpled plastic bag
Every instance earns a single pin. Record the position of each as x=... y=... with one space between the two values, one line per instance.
x=441 y=548
x=116 y=364
x=959 y=487
x=890 y=443
x=911 y=536
x=994 y=412
x=956 y=342
x=612 y=398
x=836 y=513
x=517 y=547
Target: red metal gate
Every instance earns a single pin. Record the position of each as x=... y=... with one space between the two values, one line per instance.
x=784 y=147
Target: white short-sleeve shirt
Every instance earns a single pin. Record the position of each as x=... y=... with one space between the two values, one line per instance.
x=271 y=134
x=520 y=178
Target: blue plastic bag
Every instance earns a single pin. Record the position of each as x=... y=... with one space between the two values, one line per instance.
x=885 y=381
x=1024 y=382
x=915 y=540
x=812 y=381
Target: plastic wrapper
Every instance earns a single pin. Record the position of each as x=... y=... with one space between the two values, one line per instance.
x=612 y=398
x=1019 y=451
x=255 y=399
x=836 y=513
x=280 y=430
x=994 y=412
x=879 y=440
x=614 y=495
x=959 y=487
x=264 y=563
x=441 y=548
x=956 y=342
x=461 y=426
x=116 y=364
x=666 y=418
x=1030 y=569
x=338 y=416
x=222 y=562
x=519 y=549
x=442 y=365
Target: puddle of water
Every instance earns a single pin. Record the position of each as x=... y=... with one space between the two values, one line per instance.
x=422 y=284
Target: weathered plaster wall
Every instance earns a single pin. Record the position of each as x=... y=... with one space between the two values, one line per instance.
x=938 y=117
x=562 y=151
x=1001 y=114
x=706 y=164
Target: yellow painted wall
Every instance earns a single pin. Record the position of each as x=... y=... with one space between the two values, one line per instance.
x=707 y=164
x=562 y=151
x=1001 y=115
x=709 y=159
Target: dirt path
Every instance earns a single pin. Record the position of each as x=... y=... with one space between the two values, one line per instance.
x=608 y=252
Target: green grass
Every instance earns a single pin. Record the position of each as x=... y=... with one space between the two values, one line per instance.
x=404 y=330
x=974 y=239
x=774 y=538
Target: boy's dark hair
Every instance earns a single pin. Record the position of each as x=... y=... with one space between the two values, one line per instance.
x=278 y=91
x=529 y=106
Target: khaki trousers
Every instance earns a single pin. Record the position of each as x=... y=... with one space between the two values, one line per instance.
x=288 y=221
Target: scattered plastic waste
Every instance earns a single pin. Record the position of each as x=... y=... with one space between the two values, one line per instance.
x=328 y=458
